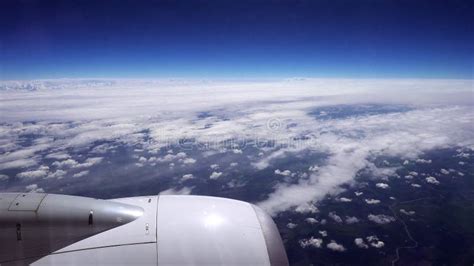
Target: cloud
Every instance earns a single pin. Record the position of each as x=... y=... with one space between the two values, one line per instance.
x=215 y=175
x=20 y=158
x=382 y=185
x=438 y=117
x=342 y=199
x=187 y=177
x=351 y=220
x=189 y=161
x=283 y=173
x=380 y=218
x=372 y=201
x=409 y=213
x=359 y=242
x=58 y=156
x=172 y=191
x=81 y=174
x=311 y=242
x=378 y=244
x=307 y=208
x=34 y=188
x=89 y=162
x=65 y=163
x=311 y=220
x=444 y=172
x=20 y=163
x=291 y=225
x=323 y=233
x=34 y=174
x=335 y=246
x=3 y=177
x=58 y=174
x=375 y=242
x=335 y=217
x=404 y=135
x=423 y=161
x=432 y=180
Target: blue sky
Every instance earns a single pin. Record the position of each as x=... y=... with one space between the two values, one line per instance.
x=236 y=39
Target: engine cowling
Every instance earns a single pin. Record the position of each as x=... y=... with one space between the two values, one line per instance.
x=48 y=229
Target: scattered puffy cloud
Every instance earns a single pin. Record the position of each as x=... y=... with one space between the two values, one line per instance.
x=58 y=174
x=189 y=161
x=311 y=220
x=380 y=218
x=359 y=242
x=351 y=220
x=423 y=161
x=382 y=185
x=34 y=188
x=335 y=217
x=215 y=175
x=34 y=174
x=375 y=242
x=283 y=173
x=372 y=201
x=291 y=225
x=432 y=180
x=3 y=177
x=89 y=162
x=444 y=171
x=307 y=208
x=311 y=242
x=187 y=177
x=65 y=163
x=335 y=246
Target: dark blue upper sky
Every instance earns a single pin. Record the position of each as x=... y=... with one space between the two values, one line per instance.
x=236 y=39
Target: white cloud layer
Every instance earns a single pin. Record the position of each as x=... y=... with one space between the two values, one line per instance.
x=72 y=114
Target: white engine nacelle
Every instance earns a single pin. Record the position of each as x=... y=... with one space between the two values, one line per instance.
x=48 y=229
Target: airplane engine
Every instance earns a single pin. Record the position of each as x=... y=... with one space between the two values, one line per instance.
x=49 y=229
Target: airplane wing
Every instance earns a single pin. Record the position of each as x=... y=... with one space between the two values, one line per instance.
x=50 y=229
